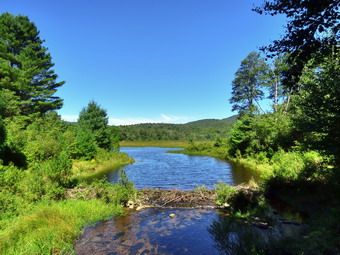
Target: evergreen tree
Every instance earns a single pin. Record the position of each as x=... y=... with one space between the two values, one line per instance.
x=2 y=138
x=247 y=83
x=95 y=119
x=318 y=108
x=26 y=78
x=85 y=144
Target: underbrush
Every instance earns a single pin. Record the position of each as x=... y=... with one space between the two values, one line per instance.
x=43 y=208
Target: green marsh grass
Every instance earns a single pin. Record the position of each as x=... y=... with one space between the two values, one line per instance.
x=102 y=164
x=53 y=228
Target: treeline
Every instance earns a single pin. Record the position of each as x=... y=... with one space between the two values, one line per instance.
x=202 y=130
x=38 y=151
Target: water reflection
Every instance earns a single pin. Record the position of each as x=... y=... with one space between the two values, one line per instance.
x=152 y=231
x=233 y=237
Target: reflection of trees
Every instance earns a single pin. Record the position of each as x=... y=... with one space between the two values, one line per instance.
x=233 y=237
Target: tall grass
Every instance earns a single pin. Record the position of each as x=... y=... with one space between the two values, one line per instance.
x=53 y=228
x=102 y=164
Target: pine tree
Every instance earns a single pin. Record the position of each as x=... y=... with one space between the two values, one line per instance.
x=95 y=119
x=250 y=77
x=25 y=67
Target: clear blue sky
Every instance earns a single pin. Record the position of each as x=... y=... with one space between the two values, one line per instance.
x=148 y=60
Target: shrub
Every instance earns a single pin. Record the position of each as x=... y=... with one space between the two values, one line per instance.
x=85 y=144
x=224 y=192
x=298 y=165
x=287 y=165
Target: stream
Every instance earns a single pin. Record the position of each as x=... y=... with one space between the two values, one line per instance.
x=171 y=230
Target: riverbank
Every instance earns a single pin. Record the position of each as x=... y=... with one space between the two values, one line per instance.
x=102 y=164
x=261 y=168
x=315 y=200
x=51 y=225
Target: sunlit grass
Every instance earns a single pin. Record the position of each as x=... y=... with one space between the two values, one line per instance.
x=53 y=228
x=100 y=166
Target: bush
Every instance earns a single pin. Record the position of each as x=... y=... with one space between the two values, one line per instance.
x=298 y=165
x=85 y=144
x=287 y=165
x=224 y=192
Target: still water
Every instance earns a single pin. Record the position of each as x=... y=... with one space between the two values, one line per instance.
x=155 y=168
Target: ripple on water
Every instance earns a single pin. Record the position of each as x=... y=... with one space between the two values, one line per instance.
x=154 y=168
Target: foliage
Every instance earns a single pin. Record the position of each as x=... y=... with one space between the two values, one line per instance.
x=224 y=192
x=115 y=137
x=297 y=165
x=117 y=194
x=37 y=215
x=53 y=227
x=253 y=134
x=247 y=83
x=85 y=144
x=44 y=138
x=27 y=81
x=2 y=137
x=201 y=130
x=95 y=119
x=312 y=32
x=318 y=108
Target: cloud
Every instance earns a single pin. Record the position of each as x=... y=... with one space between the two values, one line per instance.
x=164 y=118
x=71 y=118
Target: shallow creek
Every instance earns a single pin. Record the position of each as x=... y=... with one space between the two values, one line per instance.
x=169 y=230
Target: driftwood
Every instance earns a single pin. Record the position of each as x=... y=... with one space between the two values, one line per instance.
x=156 y=197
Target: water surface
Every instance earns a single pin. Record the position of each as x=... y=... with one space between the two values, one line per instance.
x=155 y=168
x=152 y=231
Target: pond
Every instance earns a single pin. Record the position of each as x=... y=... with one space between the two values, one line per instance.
x=155 y=168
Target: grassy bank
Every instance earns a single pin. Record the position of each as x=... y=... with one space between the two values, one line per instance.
x=52 y=228
x=43 y=213
x=300 y=181
x=102 y=164
x=221 y=152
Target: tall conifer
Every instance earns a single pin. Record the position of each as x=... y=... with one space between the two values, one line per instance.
x=25 y=66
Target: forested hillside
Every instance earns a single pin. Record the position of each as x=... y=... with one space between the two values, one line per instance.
x=201 y=130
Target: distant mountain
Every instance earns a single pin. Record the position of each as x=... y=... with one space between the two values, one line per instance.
x=206 y=123
x=200 y=130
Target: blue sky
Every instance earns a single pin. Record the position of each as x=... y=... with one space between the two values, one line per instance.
x=166 y=61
